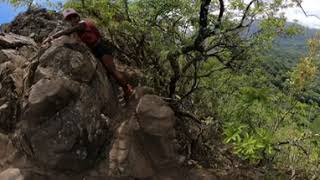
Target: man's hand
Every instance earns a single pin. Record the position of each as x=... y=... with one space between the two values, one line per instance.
x=47 y=40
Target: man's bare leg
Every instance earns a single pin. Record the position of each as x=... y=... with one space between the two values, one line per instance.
x=107 y=61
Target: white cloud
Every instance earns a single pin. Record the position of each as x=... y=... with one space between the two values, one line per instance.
x=311 y=7
x=296 y=14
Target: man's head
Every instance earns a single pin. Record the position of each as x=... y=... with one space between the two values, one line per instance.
x=71 y=16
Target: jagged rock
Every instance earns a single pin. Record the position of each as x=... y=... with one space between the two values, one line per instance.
x=36 y=23
x=8 y=102
x=11 y=40
x=155 y=116
x=47 y=97
x=15 y=51
x=144 y=143
x=6 y=150
x=11 y=174
x=61 y=126
x=69 y=60
x=14 y=57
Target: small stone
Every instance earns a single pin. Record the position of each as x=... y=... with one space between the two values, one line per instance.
x=11 y=174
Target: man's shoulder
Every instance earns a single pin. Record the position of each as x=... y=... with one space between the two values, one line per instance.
x=88 y=21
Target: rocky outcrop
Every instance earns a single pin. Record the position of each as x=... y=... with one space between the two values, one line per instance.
x=144 y=143
x=15 y=54
x=61 y=124
x=36 y=23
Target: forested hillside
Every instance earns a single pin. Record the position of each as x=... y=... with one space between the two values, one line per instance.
x=286 y=51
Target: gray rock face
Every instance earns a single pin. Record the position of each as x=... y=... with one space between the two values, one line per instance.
x=57 y=97
x=11 y=174
x=61 y=125
x=155 y=116
x=36 y=23
x=13 y=41
x=15 y=52
x=144 y=143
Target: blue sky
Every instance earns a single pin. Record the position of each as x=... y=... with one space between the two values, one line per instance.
x=7 y=12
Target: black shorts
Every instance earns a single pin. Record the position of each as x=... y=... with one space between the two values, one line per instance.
x=102 y=48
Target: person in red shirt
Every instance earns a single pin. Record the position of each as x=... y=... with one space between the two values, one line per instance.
x=90 y=35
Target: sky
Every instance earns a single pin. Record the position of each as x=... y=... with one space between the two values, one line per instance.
x=7 y=13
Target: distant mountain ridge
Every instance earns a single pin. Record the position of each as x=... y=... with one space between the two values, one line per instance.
x=286 y=51
x=284 y=55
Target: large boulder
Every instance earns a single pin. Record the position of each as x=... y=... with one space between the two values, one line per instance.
x=62 y=126
x=155 y=116
x=145 y=142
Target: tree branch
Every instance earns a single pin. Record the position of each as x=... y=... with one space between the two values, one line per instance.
x=195 y=46
x=304 y=12
x=293 y=143
x=83 y=4
x=244 y=16
x=188 y=115
x=211 y=72
x=221 y=2
x=195 y=81
x=126 y=7
x=203 y=22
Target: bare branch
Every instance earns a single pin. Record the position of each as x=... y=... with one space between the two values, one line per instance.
x=203 y=21
x=211 y=72
x=195 y=81
x=244 y=16
x=83 y=3
x=188 y=115
x=293 y=143
x=221 y=2
x=304 y=12
x=127 y=10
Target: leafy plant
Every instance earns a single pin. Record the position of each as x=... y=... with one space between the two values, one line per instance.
x=248 y=145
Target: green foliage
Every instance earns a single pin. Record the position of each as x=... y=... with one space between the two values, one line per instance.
x=252 y=146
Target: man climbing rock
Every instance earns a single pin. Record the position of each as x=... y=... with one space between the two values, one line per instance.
x=90 y=35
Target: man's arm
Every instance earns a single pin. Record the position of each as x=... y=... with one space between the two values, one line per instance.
x=78 y=28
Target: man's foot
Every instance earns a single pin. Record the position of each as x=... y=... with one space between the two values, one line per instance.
x=128 y=91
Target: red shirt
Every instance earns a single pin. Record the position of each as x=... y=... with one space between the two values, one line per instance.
x=91 y=35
